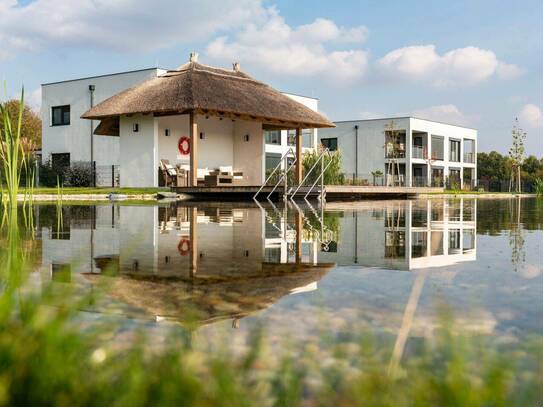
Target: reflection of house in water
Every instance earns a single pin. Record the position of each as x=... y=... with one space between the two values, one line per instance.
x=206 y=263
x=407 y=234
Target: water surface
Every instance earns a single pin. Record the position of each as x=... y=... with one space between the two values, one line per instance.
x=302 y=269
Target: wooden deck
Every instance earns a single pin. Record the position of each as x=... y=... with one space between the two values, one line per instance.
x=333 y=192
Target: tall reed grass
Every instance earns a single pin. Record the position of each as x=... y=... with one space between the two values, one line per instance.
x=12 y=153
x=538 y=184
x=52 y=352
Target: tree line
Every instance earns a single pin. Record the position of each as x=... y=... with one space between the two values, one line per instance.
x=494 y=166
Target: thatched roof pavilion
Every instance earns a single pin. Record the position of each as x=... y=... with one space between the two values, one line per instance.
x=202 y=89
x=197 y=91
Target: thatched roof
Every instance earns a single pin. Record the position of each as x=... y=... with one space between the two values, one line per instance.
x=211 y=91
x=207 y=300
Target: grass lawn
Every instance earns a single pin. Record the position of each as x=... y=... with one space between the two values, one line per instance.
x=462 y=192
x=95 y=191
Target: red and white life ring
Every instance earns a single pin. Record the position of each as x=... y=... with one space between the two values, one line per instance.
x=184 y=246
x=184 y=145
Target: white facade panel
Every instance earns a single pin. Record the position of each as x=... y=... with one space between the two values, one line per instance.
x=75 y=138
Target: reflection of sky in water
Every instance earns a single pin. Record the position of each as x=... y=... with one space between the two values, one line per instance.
x=379 y=248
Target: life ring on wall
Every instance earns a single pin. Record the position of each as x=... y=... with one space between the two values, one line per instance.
x=184 y=246
x=184 y=145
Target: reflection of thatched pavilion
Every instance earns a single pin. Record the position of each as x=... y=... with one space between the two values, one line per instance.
x=202 y=300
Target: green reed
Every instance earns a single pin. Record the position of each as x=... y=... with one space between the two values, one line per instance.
x=539 y=187
x=12 y=153
x=51 y=354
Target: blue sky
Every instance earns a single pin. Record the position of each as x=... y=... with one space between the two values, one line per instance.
x=477 y=63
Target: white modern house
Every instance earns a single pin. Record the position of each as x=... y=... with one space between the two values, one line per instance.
x=240 y=140
x=408 y=151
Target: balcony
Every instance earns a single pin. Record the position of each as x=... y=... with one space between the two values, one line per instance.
x=419 y=152
x=395 y=151
x=469 y=158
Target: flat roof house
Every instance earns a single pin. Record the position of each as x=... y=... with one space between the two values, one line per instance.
x=196 y=117
x=407 y=151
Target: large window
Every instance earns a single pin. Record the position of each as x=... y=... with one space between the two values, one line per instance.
x=307 y=138
x=437 y=148
x=469 y=151
x=454 y=151
x=273 y=137
x=272 y=161
x=329 y=143
x=60 y=115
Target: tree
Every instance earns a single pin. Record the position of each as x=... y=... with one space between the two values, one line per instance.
x=393 y=151
x=516 y=154
x=493 y=166
x=30 y=127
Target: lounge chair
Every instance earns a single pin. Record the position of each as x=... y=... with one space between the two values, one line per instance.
x=169 y=172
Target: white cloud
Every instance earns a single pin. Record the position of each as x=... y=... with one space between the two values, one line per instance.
x=122 y=25
x=508 y=71
x=531 y=115
x=442 y=113
x=273 y=45
x=461 y=66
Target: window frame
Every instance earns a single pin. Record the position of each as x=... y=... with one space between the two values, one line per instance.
x=63 y=110
x=328 y=146
x=272 y=134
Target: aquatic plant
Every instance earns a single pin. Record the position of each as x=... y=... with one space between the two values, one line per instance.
x=12 y=152
x=538 y=186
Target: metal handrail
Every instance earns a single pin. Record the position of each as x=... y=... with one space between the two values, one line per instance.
x=321 y=157
x=289 y=151
x=321 y=177
x=283 y=176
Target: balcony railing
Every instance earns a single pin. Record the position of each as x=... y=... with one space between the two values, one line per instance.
x=419 y=152
x=395 y=151
x=469 y=158
x=420 y=182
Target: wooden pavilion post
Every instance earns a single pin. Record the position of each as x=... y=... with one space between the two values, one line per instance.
x=298 y=177
x=193 y=217
x=299 y=230
x=193 y=179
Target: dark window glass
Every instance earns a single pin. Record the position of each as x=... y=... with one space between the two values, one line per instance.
x=437 y=148
x=60 y=161
x=60 y=115
x=272 y=161
x=273 y=137
x=329 y=143
x=454 y=151
x=307 y=136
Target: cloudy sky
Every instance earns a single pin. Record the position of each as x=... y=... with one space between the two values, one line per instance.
x=477 y=63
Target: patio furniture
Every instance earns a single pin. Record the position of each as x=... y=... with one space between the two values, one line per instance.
x=215 y=179
x=183 y=175
x=228 y=170
x=169 y=172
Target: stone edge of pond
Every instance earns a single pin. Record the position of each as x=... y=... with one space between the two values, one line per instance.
x=91 y=197
x=483 y=195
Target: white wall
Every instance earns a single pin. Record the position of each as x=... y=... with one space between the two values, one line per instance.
x=249 y=156
x=139 y=152
x=371 y=142
x=75 y=138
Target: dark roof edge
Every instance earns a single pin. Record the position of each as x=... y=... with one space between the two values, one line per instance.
x=104 y=75
x=403 y=117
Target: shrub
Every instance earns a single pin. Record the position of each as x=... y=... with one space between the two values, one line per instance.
x=333 y=174
x=80 y=174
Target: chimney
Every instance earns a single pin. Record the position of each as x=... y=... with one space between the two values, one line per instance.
x=236 y=66
x=193 y=57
